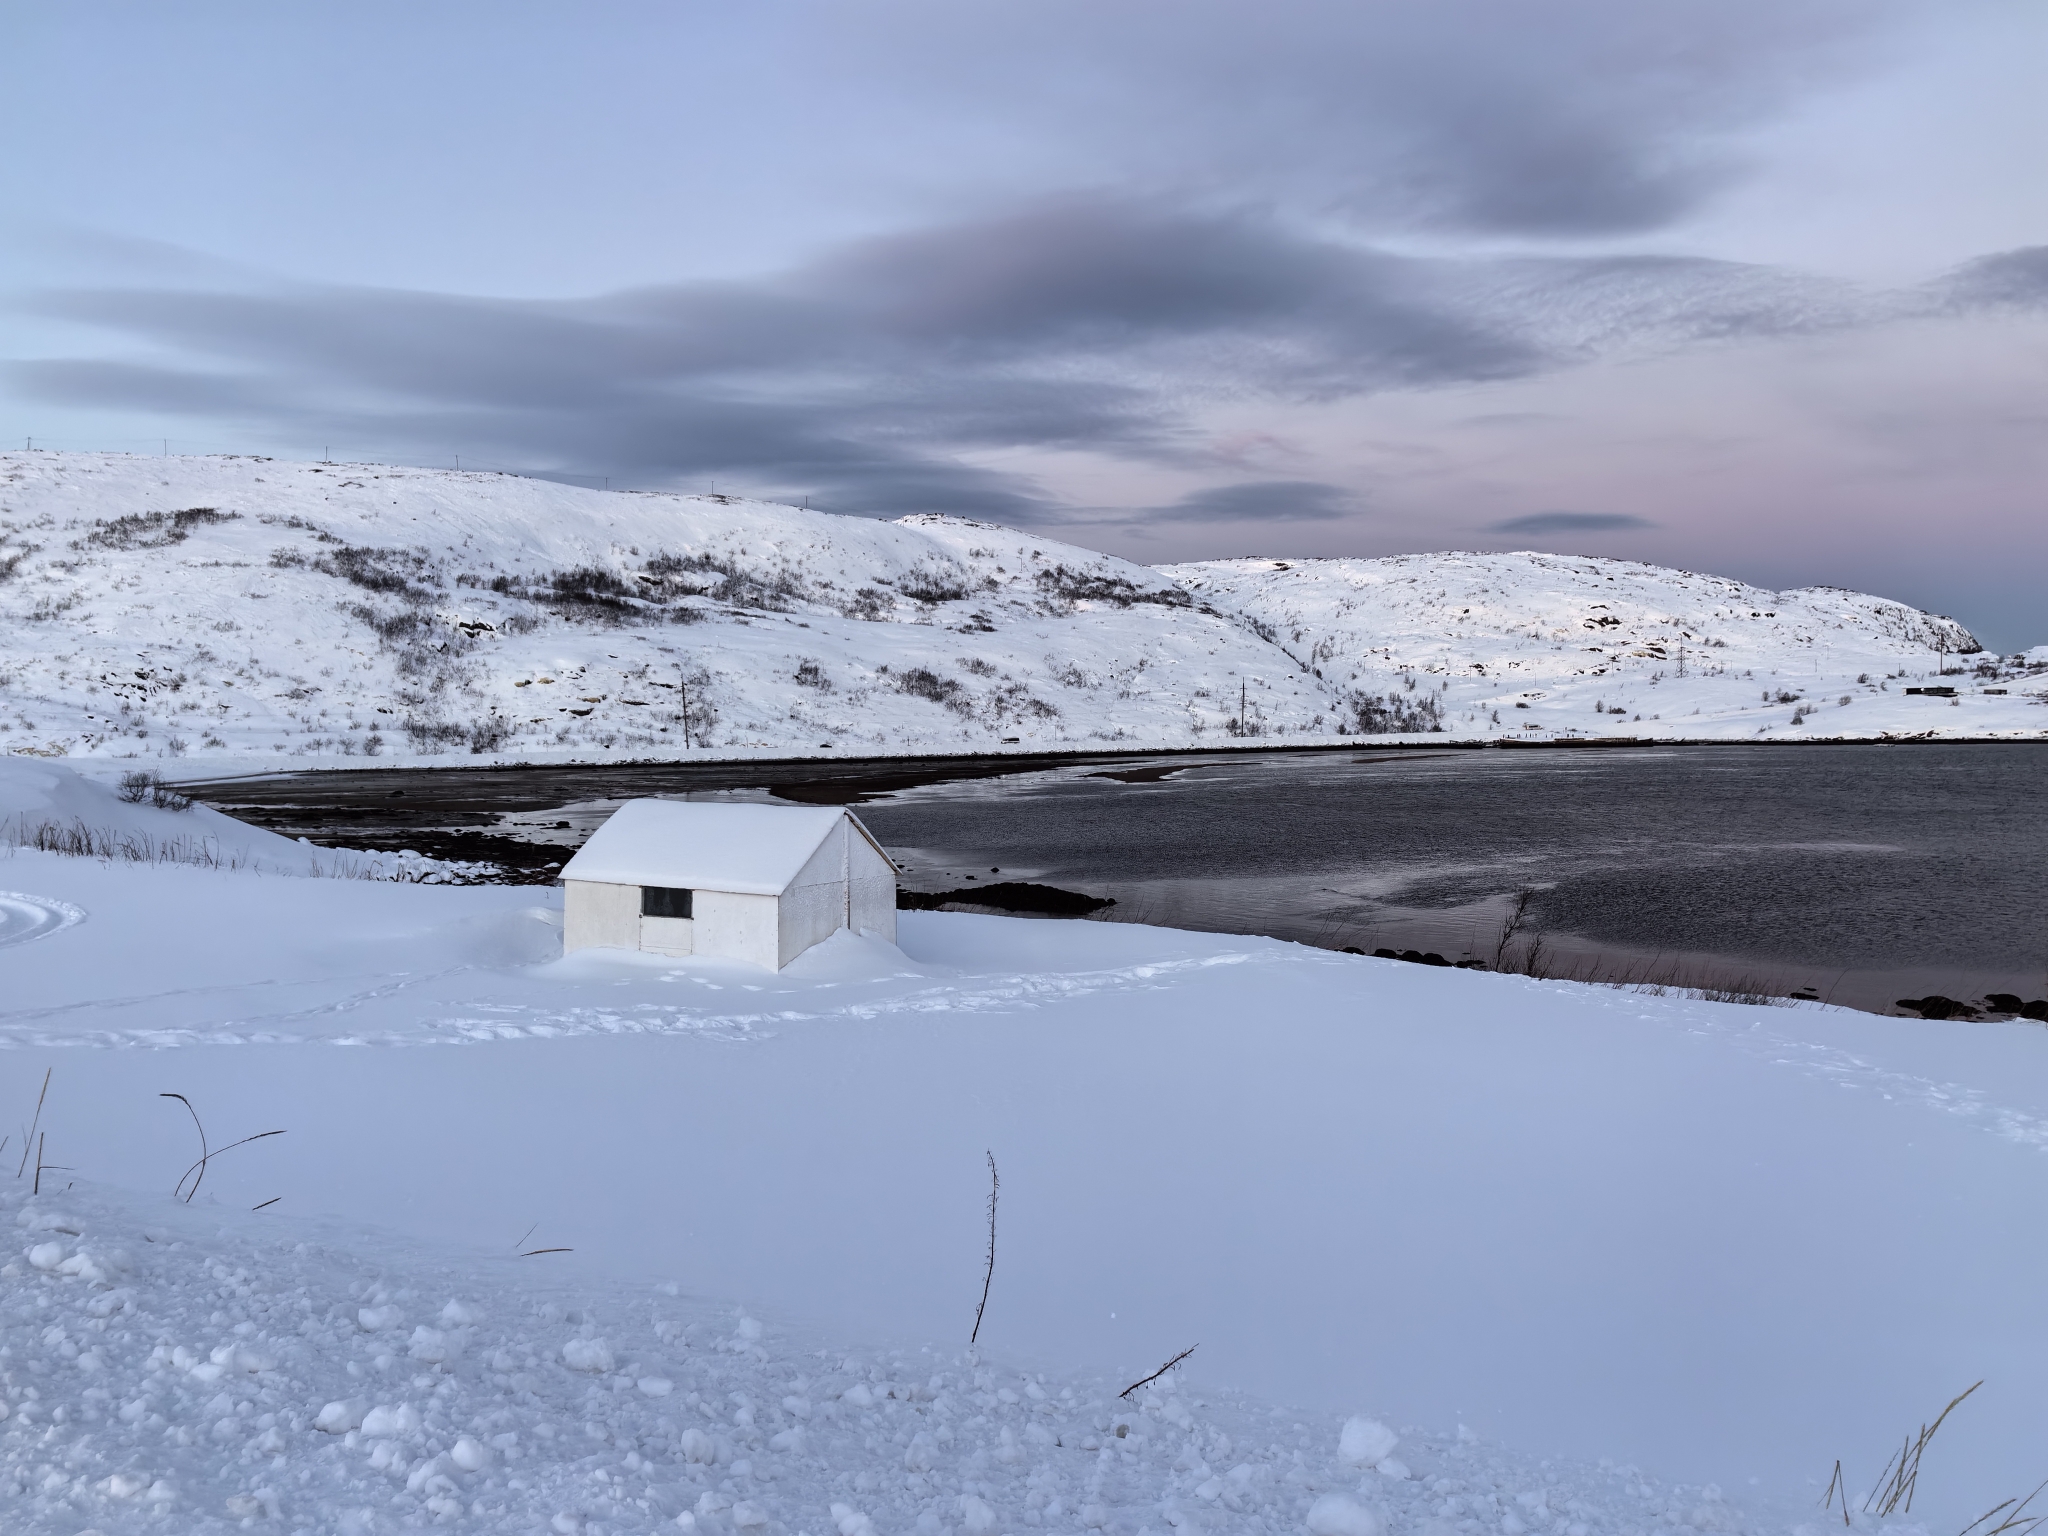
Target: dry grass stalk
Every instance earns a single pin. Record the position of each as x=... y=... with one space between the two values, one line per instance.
x=29 y=1135
x=1904 y=1469
x=2014 y=1517
x=1837 y=1485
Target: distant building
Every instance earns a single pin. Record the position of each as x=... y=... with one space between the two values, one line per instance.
x=760 y=883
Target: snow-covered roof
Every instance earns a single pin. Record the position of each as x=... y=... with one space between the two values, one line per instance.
x=706 y=845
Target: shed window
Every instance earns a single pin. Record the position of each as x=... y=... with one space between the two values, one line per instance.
x=663 y=901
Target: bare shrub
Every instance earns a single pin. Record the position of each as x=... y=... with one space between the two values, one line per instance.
x=489 y=733
x=1392 y=713
x=430 y=737
x=592 y=592
x=393 y=571
x=1064 y=585
x=688 y=576
x=810 y=675
x=923 y=683
x=151 y=530
x=923 y=585
x=868 y=604
x=145 y=787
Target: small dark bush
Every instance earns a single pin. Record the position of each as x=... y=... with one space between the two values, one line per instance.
x=377 y=570
x=923 y=586
x=1070 y=586
x=927 y=684
x=143 y=787
x=1392 y=713
x=153 y=530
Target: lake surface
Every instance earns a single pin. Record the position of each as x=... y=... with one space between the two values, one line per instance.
x=1868 y=873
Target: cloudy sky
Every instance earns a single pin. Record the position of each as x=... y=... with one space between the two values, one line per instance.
x=1751 y=286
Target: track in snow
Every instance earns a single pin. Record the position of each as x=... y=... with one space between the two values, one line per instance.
x=24 y=917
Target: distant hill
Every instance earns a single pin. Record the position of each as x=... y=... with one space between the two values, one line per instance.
x=248 y=610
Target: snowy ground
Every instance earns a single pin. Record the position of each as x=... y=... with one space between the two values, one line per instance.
x=1635 y=1246
x=246 y=613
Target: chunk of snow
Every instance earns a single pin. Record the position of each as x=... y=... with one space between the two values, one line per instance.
x=587 y=1355
x=1335 y=1515
x=47 y=1256
x=341 y=1416
x=1365 y=1442
x=391 y=1421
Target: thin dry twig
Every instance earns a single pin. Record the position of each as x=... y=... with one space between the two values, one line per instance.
x=995 y=1186
x=532 y=1251
x=43 y=1167
x=1176 y=1360
x=197 y=1172
x=267 y=1204
x=30 y=1134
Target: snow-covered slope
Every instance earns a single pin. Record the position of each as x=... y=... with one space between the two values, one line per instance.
x=1548 y=645
x=1577 y=1222
x=252 y=611
x=242 y=606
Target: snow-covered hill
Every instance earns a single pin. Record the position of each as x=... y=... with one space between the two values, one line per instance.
x=1550 y=645
x=243 y=609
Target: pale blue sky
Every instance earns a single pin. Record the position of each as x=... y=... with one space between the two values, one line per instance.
x=1743 y=286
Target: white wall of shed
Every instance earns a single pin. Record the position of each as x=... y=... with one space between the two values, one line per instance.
x=668 y=935
x=599 y=915
x=814 y=907
x=872 y=888
x=732 y=926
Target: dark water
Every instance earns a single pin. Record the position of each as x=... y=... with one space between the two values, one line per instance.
x=1868 y=873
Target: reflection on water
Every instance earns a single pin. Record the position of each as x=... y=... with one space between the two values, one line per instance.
x=1870 y=873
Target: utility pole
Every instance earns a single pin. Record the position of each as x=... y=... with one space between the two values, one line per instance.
x=683 y=681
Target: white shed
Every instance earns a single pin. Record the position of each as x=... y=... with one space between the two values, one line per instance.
x=761 y=883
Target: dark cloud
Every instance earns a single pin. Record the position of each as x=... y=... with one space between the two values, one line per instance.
x=2009 y=278
x=1569 y=522
x=1262 y=501
x=1569 y=118
x=869 y=378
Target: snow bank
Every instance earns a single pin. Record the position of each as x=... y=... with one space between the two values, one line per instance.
x=48 y=806
x=214 y=1378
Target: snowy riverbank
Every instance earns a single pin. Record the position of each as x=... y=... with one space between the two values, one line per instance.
x=1722 y=1245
